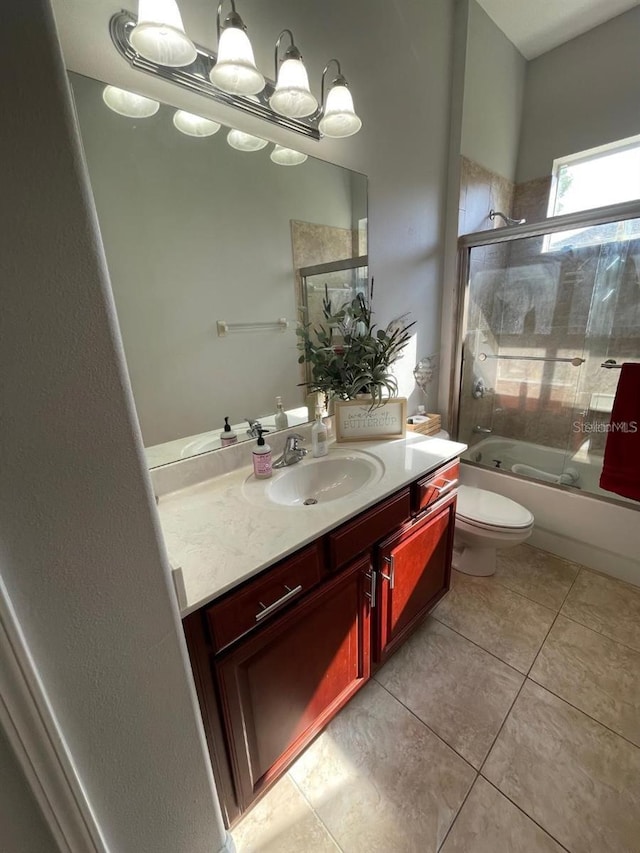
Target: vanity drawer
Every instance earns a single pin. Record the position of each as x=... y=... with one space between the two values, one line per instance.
x=431 y=488
x=254 y=604
x=356 y=536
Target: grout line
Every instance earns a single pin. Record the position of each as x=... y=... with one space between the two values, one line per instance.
x=582 y=711
x=502 y=725
x=513 y=591
x=427 y=726
x=482 y=648
x=533 y=663
x=308 y=802
x=522 y=811
x=599 y=633
x=457 y=814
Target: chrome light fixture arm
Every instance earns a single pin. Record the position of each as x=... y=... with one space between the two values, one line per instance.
x=233 y=19
x=337 y=81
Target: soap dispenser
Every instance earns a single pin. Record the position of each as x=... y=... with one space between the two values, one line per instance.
x=262 y=458
x=228 y=436
x=319 y=436
x=282 y=421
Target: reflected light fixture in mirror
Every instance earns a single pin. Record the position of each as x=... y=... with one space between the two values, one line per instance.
x=339 y=118
x=287 y=156
x=235 y=70
x=245 y=141
x=292 y=96
x=128 y=103
x=193 y=125
x=159 y=34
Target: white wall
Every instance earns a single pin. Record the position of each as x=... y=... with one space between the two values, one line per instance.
x=79 y=547
x=195 y=232
x=493 y=92
x=583 y=94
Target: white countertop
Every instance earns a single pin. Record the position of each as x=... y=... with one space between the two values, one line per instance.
x=218 y=538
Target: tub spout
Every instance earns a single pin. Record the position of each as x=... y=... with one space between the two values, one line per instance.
x=482 y=430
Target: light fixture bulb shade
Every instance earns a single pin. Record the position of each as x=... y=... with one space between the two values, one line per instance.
x=292 y=96
x=159 y=34
x=287 y=156
x=235 y=70
x=193 y=125
x=245 y=141
x=128 y=103
x=339 y=118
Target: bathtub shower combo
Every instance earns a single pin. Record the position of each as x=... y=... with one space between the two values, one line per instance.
x=548 y=312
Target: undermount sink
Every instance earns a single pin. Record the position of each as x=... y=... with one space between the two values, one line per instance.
x=317 y=481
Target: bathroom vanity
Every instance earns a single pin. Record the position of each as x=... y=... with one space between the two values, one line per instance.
x=277 y=654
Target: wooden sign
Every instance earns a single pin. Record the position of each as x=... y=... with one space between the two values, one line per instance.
x=355 y=420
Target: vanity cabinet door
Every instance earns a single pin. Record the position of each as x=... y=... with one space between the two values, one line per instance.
x=414 y=570
x=282 y=684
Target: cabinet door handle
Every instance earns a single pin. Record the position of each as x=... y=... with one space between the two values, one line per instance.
x=276 y=604
x=372 y=575
x=391 y=577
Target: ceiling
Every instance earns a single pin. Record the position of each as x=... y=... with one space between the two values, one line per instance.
x=536 y=26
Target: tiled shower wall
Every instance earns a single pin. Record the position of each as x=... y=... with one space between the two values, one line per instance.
x=482 y=190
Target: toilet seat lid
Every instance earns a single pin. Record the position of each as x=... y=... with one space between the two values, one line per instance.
x=488 y=509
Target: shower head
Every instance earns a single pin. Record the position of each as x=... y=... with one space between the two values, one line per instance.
x=507 y=219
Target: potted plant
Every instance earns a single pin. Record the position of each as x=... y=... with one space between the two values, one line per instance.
x=348 y=355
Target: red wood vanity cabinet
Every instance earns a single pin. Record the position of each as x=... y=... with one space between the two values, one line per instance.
x=275 y=659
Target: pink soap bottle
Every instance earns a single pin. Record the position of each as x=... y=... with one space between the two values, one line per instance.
x=262 y=459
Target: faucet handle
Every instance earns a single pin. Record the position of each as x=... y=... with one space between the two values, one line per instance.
x=293 y=439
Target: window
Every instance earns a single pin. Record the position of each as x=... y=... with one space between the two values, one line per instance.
x=595 y=178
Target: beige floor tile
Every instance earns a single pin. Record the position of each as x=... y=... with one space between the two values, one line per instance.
x=282 y=822
x=380 y=780
x=606 y=605
x=501 y=621
x=594 y=673
x=490 y=823
x=460 y=691
x=538 y=575
x=575 y=778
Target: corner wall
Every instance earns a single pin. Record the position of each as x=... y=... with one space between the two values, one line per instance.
x=583 y=94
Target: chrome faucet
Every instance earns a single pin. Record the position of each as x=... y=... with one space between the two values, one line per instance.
x=292 y=453
x=254 y=427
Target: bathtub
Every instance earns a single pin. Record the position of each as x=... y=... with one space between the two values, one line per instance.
x=570 y=521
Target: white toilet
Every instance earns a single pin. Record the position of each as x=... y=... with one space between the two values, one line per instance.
x=486 y=521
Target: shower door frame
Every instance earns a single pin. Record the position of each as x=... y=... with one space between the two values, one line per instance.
x=467 y=242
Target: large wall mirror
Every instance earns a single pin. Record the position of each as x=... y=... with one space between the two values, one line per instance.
x=205 y=246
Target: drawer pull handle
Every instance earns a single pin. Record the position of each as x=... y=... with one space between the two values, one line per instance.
x=448 y=484
x=372 y=575
x=391 y=577
x=276 y=604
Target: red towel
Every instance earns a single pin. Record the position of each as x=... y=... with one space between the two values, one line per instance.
x=621 y=470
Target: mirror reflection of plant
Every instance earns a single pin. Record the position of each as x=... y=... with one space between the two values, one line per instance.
x=348 y=354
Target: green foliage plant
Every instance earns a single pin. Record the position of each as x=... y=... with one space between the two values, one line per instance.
x=349 y=355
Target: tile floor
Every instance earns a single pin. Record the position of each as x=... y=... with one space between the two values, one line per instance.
x=508 y=723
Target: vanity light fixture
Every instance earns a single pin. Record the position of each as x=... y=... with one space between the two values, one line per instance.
x=292 y=96
x=159 y=34
x=287 y=156
x=339 y=118
x=235 y=70
x=193 y=125
x=245 y=141
x=232 y=79
x=128 y=103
